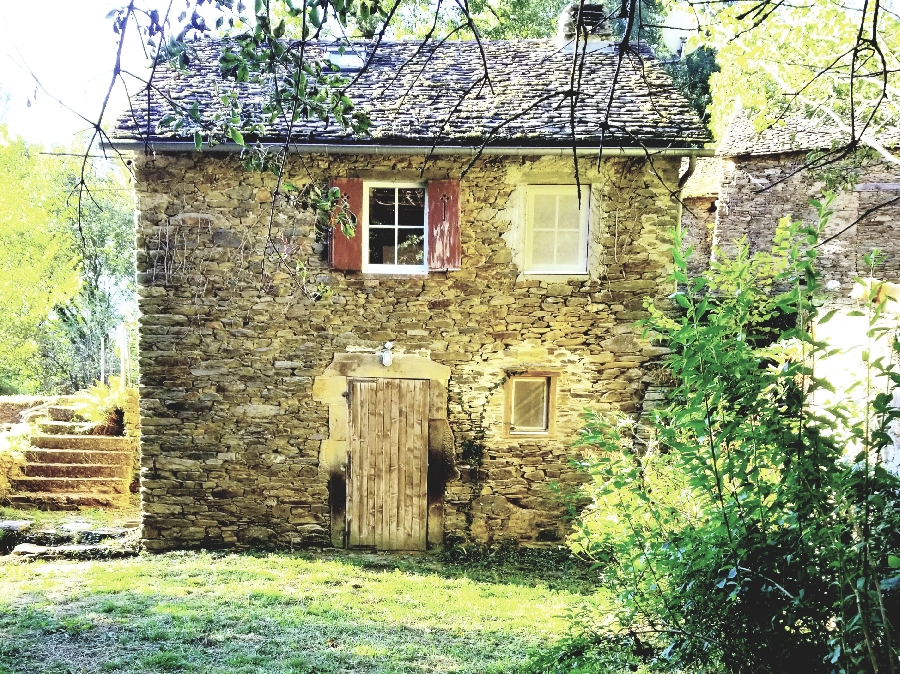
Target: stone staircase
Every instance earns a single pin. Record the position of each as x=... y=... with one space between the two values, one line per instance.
x=65 y=469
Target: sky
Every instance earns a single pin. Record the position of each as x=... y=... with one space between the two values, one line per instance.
x=70 y=47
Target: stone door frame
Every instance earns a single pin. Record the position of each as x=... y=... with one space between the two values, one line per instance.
x=331 y=389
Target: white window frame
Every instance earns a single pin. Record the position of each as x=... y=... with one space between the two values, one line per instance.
x=367 y=267
x=549 y=381
x=579 y=267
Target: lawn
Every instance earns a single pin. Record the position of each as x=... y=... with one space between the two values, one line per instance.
x=291 y=613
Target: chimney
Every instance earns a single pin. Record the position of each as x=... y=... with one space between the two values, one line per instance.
x=594 y=22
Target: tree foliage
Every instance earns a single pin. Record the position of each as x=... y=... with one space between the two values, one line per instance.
x=747 y=539
x=36 y=268
x=65 y=282
x=102 y=245
x=826 y=60
x=691 y=75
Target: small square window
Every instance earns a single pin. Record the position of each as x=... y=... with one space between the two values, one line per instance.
x=394 y=228
x=530 y=405
x=556 y=229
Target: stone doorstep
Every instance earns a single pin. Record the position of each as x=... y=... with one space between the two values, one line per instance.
x=82 y=442
x=85 y=485
x=79 y=456
x=65 y=427
x=76 y=470
x=61 y=412
x=65 y=501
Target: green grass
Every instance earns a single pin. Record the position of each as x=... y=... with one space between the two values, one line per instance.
x=99 y=517
x=296 y=614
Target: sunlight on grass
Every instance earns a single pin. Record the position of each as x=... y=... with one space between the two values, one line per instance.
x=97 y=517
x=197 y=612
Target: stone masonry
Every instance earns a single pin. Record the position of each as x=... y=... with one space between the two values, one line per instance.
x=232 y=436
x=758 y=190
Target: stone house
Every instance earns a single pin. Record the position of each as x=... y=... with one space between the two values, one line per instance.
x=438 y=386
x=763 y=180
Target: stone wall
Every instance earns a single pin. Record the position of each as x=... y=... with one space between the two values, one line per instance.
x=232 y=437
x=759 y=190
x=698 y=223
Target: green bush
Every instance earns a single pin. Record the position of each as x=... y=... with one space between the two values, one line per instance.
x=103 y=405
x=747 y=539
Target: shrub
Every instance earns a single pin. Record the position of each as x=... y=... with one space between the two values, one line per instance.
x=104 y=405
x=746 y=539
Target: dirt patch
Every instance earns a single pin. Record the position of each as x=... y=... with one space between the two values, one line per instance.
x=12 y=406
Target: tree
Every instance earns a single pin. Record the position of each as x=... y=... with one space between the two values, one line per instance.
x=836 y=63
x=36 y=270
x=102 y=245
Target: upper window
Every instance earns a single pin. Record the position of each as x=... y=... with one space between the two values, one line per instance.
x=394 y=233
x=556 y=230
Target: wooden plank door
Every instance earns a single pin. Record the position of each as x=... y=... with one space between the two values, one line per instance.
x=387 y=470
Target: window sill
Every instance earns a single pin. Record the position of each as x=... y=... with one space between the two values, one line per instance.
x=555 y=277
x=390 y=275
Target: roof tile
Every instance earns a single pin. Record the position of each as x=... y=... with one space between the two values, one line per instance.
x=413 y=92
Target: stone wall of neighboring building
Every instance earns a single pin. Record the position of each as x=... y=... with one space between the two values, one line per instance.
x=698 y=223
x=237 y=447
x=758 y=190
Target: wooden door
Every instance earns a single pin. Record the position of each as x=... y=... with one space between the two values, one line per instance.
x=387 y=470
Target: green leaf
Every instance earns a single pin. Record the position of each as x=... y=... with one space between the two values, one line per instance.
x=235 y=135
x=198 y=140
x=893 y=561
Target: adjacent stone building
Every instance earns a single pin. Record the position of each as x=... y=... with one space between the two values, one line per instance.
x=434 y=384
x=764 y=178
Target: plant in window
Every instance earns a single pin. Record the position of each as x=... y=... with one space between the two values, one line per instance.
x=395 y=227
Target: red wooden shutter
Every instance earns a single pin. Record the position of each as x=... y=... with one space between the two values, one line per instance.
x=443 y=225
x=346 y=253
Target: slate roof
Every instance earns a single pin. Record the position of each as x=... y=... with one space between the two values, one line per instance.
x=413 y=93
x=796 y=134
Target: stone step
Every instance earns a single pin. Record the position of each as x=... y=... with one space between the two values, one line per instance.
x=116 y=471
x=61 y=413
x=61 y=501
x=79 y=456
x=65 y=427
x=32 y=551
x=77 y=485
x=95 y=442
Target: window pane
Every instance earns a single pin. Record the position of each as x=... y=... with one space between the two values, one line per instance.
x=544 y=211
x=381 y=207
x=411 y=207
x=567 y=248
x=381 y=246
x=542 y=248
x=410 y=246
x=529 y=408
x=569 y=217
